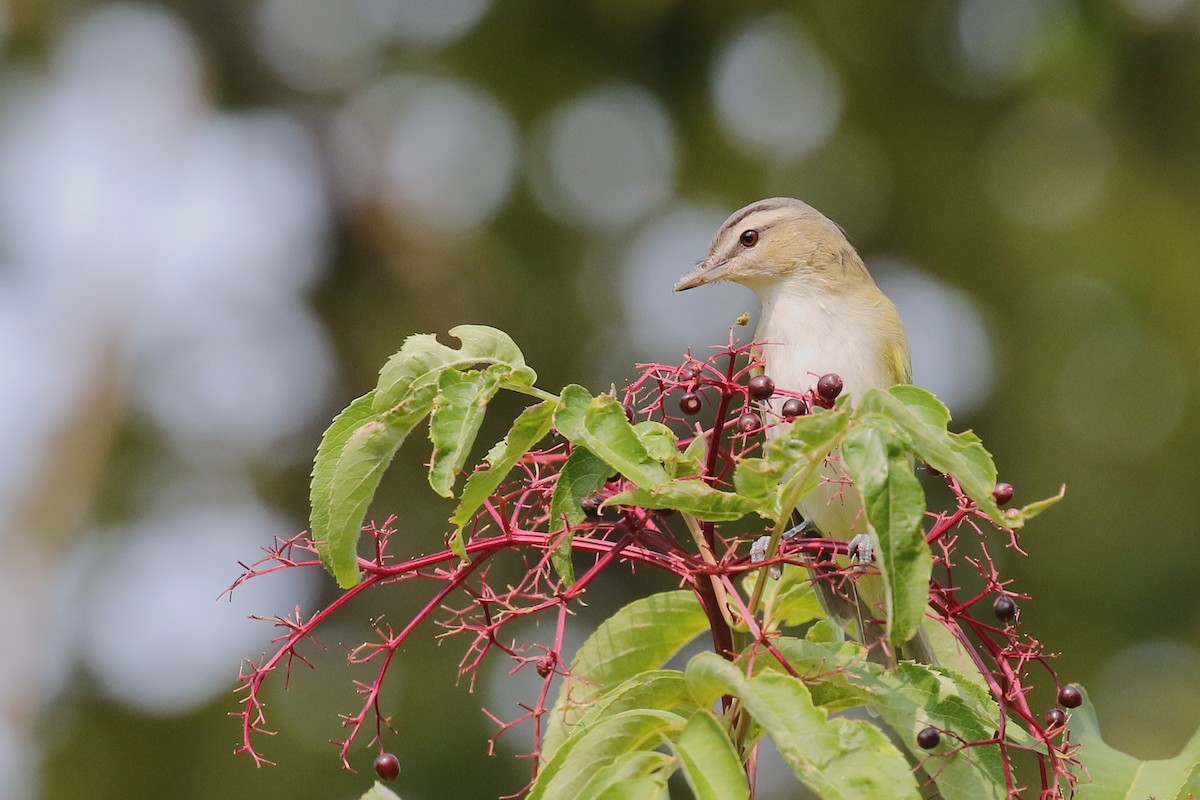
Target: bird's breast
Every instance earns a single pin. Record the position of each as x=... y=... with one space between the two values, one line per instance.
x=805 y=338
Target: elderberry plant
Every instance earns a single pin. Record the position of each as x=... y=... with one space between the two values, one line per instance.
x=656 y=476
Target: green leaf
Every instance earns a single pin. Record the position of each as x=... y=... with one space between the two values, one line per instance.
x=908 y=699
x=600 y=425
x=790 y=467
x=710 y=762
x=825 y=667
x=530 y=427
x=691 y=496
x=641 y=636
x=659 y=689
x=788 y=600
x=380 y=792
x=458 y=411
x=595 y=748
x=640 y=775
x=836 y=758
x=916 y=696
x=1113 y=775
x=354 y=452
x=920 y=419
x=895 y=505
x=325 y=469
x=663 y=446
x=422 y=358
x=582 y=474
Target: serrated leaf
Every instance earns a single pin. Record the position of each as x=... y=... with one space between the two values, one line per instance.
x=710 y=762
x=837 y=758
x=690 y=496
x=663 y=446
x=823 y=664
x=641 y=636
x=325 y=466
x=659 y=689
x=593 y=749
x=915 y=696
x=422 y=358
x=582 y=474
x=895 y=506
x=1113 y=775
x=789 y=468
x=640 y=775
x=908 y=699
x=529 y=428
x=600 y=425
x=920 y=419
x=351 y=460
x=458 y=411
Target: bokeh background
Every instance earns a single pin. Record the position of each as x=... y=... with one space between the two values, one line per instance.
x=219 y=217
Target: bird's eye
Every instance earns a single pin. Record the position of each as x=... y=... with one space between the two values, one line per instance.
x=749 y=237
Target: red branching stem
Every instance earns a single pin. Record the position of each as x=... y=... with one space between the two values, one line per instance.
x=515 y=523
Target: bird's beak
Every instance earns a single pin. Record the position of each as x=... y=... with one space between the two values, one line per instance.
x=704 y=272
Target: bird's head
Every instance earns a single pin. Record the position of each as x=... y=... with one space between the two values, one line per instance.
x=777 y=241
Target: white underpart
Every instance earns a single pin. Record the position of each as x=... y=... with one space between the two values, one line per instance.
x=807 y=334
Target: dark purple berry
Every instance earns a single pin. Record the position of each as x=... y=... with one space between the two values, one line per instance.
x=1070 y=696
x=1002 y=493
x=545 y=664
x=628 y=412
x=829 y=386
x=929 y=738
x=689 y=403
x=1005 y=609
x=794 y=407
x=932 y=471
x=749 y=422
x=761 y=387
x=1056 y=718
x=387 y=766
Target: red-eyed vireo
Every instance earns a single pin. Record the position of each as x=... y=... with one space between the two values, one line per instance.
x=821 y=313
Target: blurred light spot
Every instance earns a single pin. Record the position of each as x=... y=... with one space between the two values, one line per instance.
x=448 y=151
x=774 y=92
x=951 y=349
x=1115 y=361
x=848 y=180
x=604 y=160
x=316 y=45
x=1047 y=165
x=1156 y=12
x=1008 y=41
x=431 y=22
x=451 y=156
x=134 y=64
x=153 y=631
x=1148 y=698
x=665 y=324
x=227 y=387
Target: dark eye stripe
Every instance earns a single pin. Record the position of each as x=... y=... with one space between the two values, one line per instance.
x=749 y=237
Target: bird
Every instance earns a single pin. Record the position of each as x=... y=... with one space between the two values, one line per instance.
x=821 y=313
